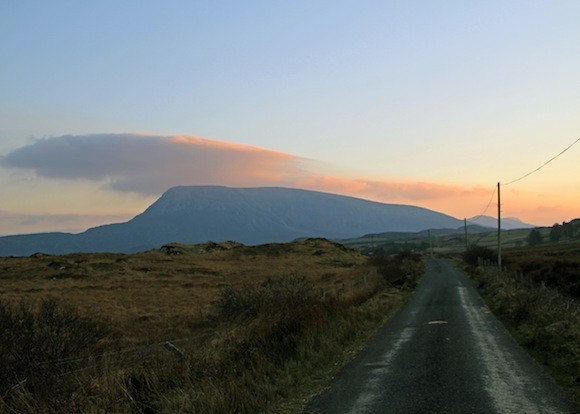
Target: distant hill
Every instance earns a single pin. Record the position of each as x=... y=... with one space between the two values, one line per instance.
x=508 y=223
x=248 y=215
x=402 y=236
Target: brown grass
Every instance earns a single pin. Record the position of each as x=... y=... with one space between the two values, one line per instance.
x=155 y=296
x=539 y=306
x=225 y=362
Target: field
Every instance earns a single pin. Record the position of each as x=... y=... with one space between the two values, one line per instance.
x=554 y=265
x=440 y=242
x=455 y=241
x=201 y=328
x=169 y=293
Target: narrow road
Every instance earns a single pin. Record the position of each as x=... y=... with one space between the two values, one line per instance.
x=443 y=352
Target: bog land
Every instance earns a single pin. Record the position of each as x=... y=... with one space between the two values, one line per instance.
x=213 y=327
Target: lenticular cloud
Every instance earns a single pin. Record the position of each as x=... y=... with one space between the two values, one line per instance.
x=149 y=164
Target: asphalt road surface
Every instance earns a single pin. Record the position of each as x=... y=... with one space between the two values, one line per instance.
x=443 y=352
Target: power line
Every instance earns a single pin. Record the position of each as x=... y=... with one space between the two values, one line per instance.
x=544 y=164
x=488 y=204
x=522 y=177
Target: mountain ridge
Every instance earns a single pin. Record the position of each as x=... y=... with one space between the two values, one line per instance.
x=193 y=214
x=507 y=223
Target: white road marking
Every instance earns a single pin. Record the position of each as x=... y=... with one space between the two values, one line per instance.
x=437 y=323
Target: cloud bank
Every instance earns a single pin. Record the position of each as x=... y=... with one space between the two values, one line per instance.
x=149 y=165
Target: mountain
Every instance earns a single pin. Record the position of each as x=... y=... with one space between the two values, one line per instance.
x=508 y=223
x=247 y=215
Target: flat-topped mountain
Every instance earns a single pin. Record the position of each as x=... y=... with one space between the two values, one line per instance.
x=247 y=215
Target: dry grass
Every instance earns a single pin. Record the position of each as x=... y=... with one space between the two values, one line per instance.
x=225 y=359
x=539 y=308
x=166 y=294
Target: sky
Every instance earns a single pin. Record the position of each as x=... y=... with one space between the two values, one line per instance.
x=105 y=105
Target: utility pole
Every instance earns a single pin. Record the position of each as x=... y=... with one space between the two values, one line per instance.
x=498 y=226
x=430 y=243
x=465 y=228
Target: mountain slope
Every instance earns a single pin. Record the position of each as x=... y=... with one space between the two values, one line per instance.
x=507 y=223
x=247 y=215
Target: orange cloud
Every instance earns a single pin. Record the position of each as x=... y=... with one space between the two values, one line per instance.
x=149 y=165
x=389 y=190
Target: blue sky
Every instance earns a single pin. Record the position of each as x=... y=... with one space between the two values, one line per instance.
x=446 y=93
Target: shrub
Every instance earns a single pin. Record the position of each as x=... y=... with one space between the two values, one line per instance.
x=41 y=342
x=408 y=255
x=475 y=252
x=534 y=238
x=253 y=299
x=398 y=269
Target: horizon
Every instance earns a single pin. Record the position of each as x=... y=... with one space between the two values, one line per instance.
x=475 y=220
x=416 y=104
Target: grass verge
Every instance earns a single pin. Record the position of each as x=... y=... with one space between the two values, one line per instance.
x=543 y=321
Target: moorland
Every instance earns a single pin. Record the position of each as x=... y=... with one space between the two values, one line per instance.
x=213 y=327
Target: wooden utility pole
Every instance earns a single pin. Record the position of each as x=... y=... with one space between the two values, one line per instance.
x=498 y=226
x=465 y=228
x=430 y=243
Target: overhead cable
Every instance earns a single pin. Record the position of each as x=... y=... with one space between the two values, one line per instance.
x=544 y=164
x=488 y=204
